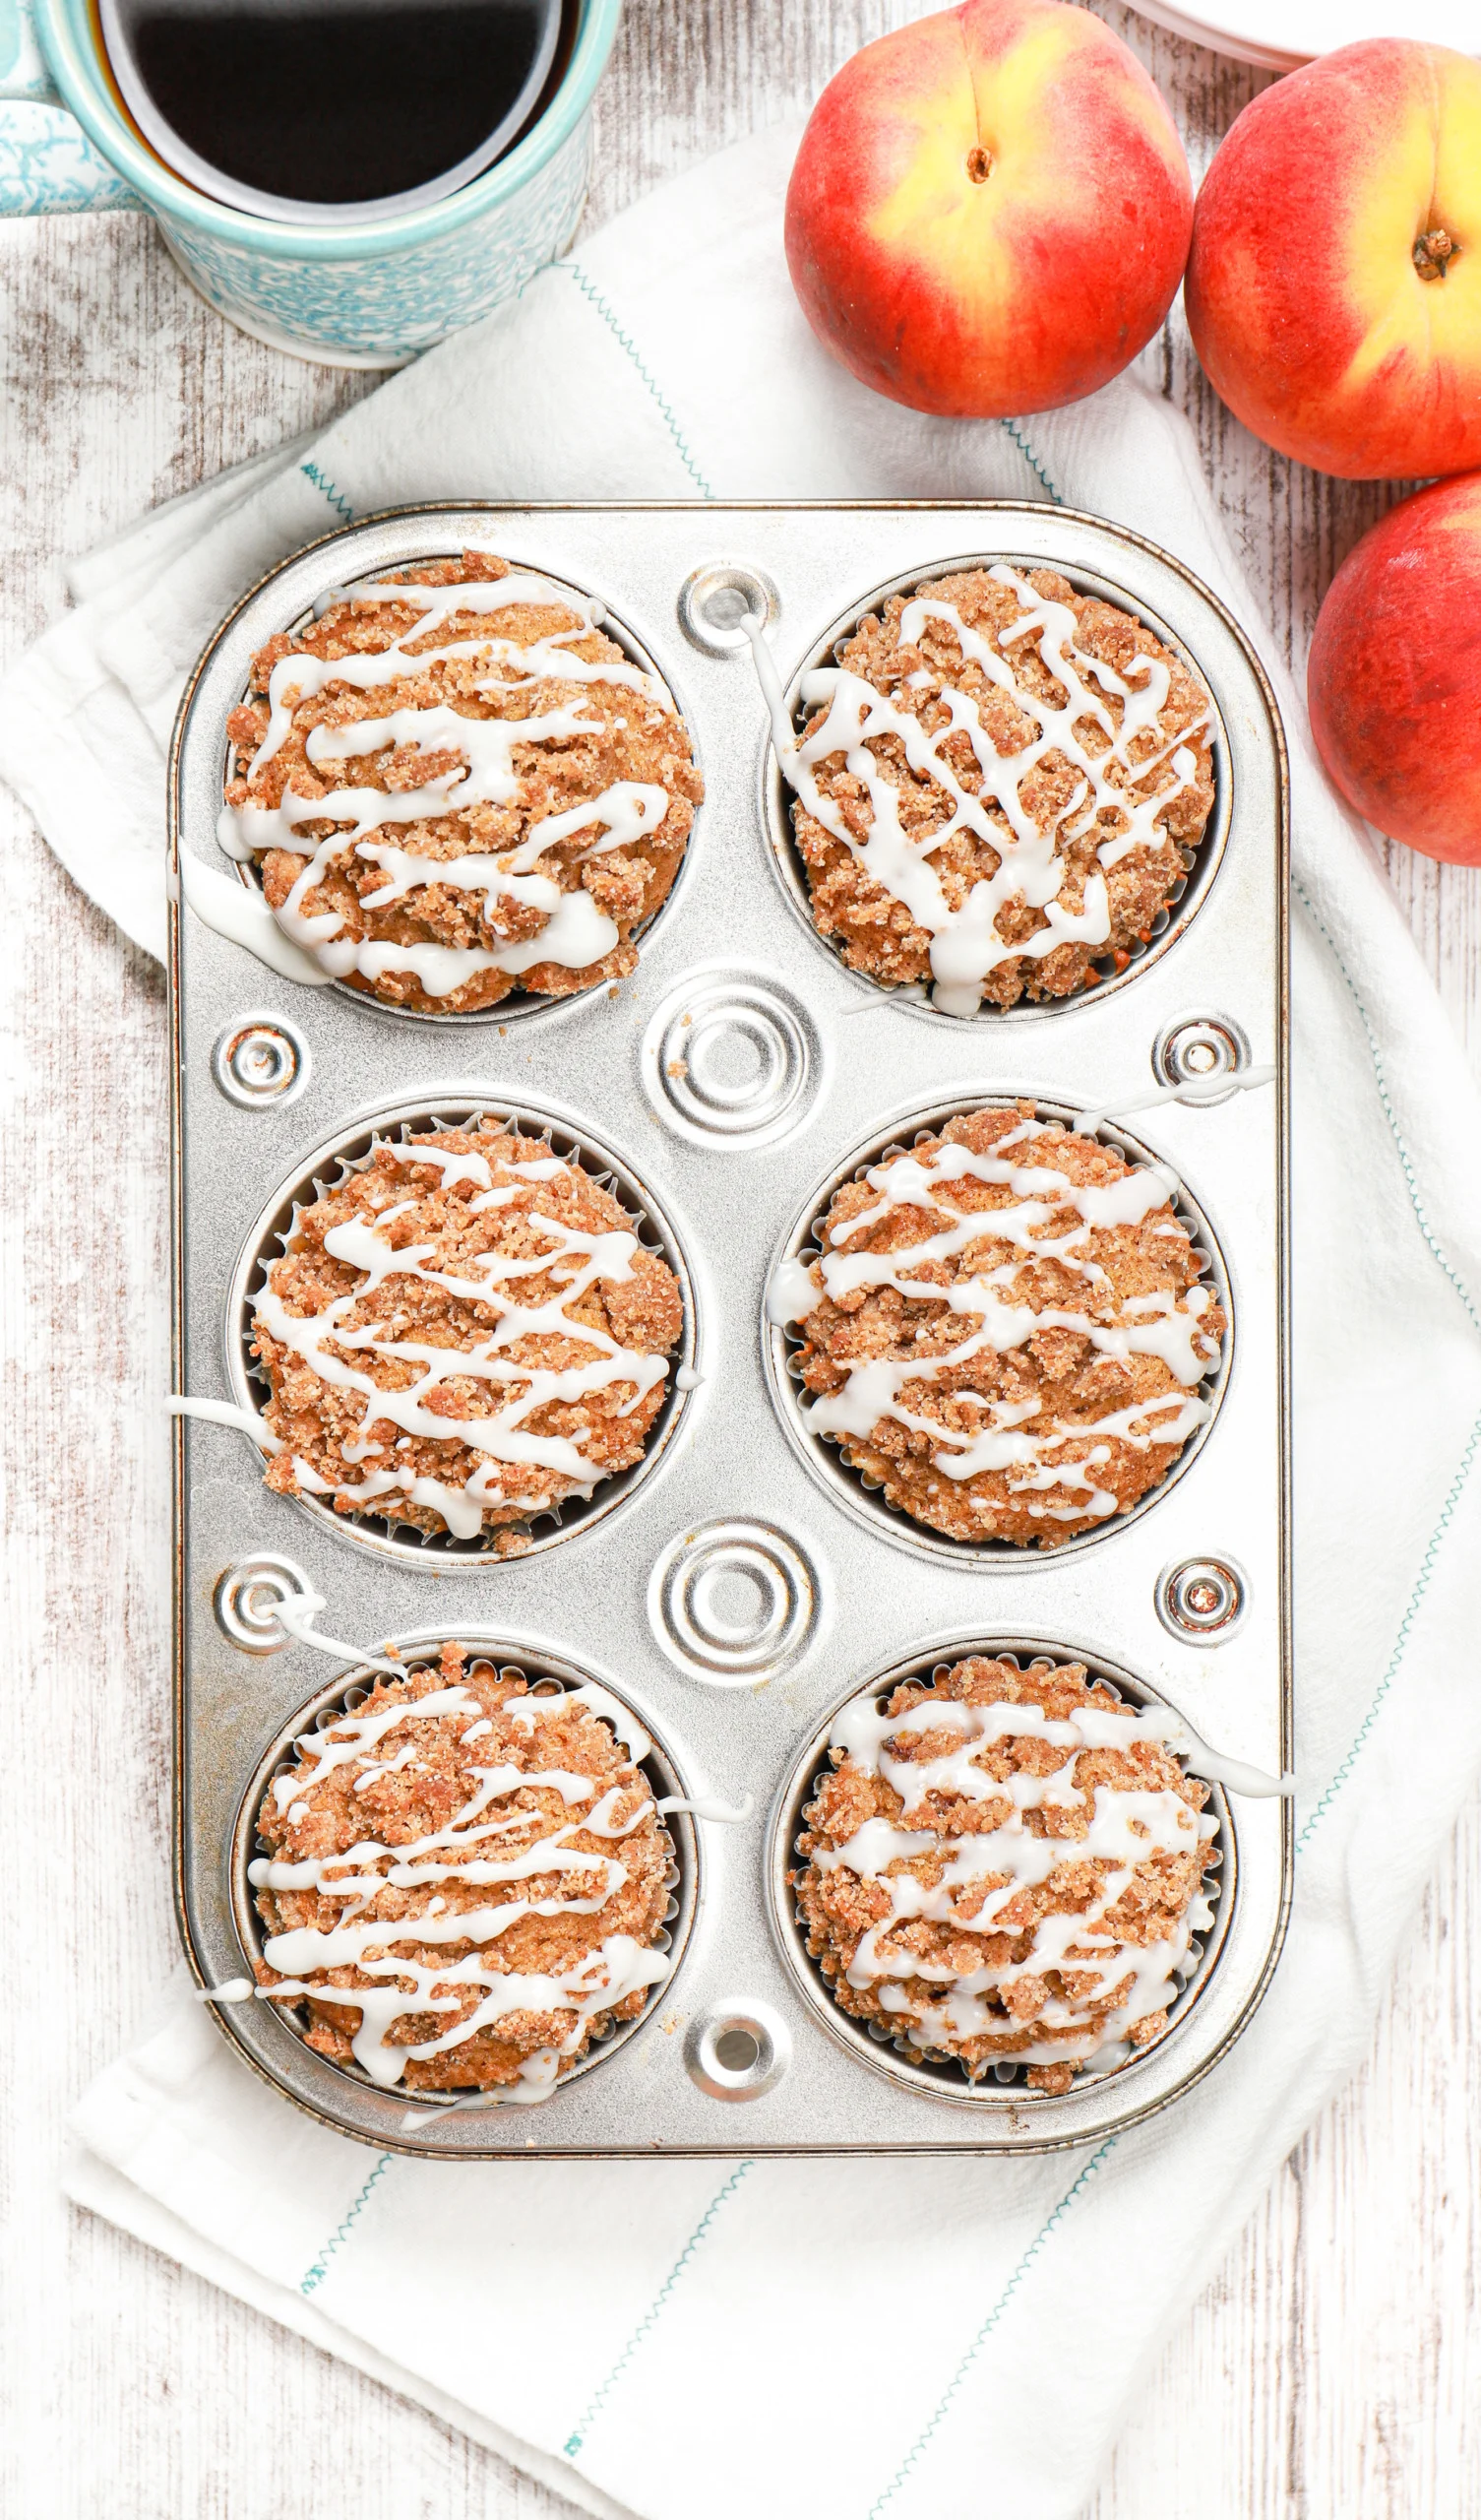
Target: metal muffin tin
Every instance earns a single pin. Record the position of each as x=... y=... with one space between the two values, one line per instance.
x=742 y=1584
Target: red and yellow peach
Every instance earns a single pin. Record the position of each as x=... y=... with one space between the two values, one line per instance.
x=1334 y=290
x=990 y=210
x=1395 y=679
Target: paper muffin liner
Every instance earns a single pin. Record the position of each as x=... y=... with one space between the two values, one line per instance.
x=1003 y=2083
x=518 y=1002
x=825 y=1454
x=548 y=1675
x=353 y=1150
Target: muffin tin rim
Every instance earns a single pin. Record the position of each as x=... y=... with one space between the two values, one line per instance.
x=824 y=1460
x=434 y=1552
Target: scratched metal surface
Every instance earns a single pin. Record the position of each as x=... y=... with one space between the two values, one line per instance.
x=855 y=1591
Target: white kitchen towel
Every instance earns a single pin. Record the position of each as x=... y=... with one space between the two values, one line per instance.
x=846 y=2338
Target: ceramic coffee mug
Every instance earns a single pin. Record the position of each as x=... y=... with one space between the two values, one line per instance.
x=375 y=293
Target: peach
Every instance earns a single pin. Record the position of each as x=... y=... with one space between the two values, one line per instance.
x=1334 y=290
x=990 y=210
x=1395 y=679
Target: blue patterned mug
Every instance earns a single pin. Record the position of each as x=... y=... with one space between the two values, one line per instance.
x=368 y=296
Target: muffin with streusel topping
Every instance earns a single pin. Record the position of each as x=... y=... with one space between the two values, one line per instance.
x=1006 y=1867
x=463 y=1882
x=455 y=783
x=1007 y=1328
x=999 y=787
x=462 y=1333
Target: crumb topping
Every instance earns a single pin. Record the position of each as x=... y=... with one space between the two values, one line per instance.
x=1006 y=1329
x=466 y=1882
x=999 y=785
x=461 y=1334
x=455 y=783
x=1006 y=1864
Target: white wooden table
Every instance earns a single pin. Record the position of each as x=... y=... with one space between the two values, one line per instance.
x=1333 y=2366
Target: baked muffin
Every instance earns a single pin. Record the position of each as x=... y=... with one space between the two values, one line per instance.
x=999 y=787
x=1006 y=1329
x=465 y=1882
x=1006 y=1864
x=461 y=1334
x=456 y=785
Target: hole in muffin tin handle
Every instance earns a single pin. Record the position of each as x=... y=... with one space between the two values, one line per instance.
x=738 y=2050
x=1203 y=1601
x=719 y=602
x=260 y=1060
x=263 y=1602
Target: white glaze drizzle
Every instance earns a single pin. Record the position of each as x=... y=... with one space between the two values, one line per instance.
x=481 y=1845
x=545 y=658
x=239 y=914
x=1236 y=1775
x=537 y=1708
x=967 y=944
x=506 y=2095
x=298 y=1615
x=1127 y=1827
x=576 y=933
x=226 y=1413
x=1157 y=1324
x=791 y=1293
x=705 y=1806
x=577 y=1259
x=1211 y=1089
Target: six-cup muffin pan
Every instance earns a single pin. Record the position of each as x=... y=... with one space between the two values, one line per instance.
x=741 y=1582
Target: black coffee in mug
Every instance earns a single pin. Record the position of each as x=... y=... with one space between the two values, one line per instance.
x=332 y=111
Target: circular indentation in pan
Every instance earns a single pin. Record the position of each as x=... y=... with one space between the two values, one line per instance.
x=550 y=1675
x=350 y=1151
x=249 y=1596
x=733 y=1601
x=1197 y=1051
x=259 y=1060
x=1201 y=863
x=519 y=1003
x=737 y=2050
x=822 y=1454
x=716 y=601
x=729 y=1060
x=1203 y=1601
x=1005 y=2084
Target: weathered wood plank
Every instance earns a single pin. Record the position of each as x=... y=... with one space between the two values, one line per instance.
x=1335 y=2363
